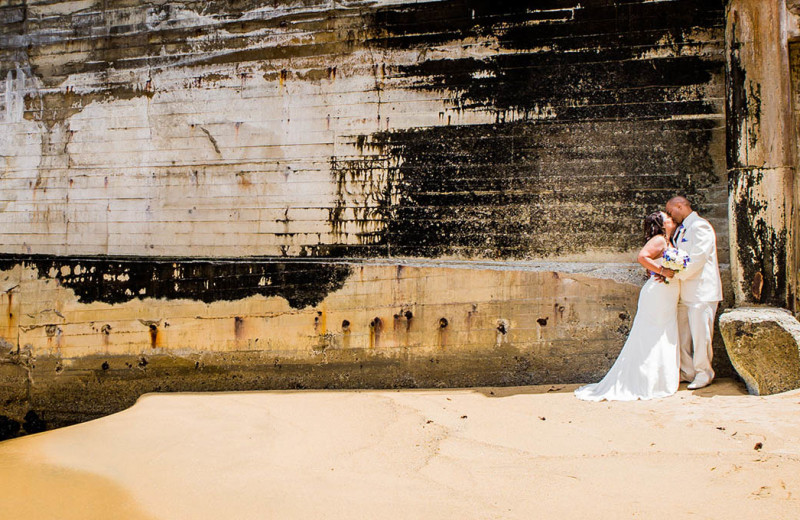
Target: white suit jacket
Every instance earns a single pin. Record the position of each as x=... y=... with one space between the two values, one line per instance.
x=700 y=281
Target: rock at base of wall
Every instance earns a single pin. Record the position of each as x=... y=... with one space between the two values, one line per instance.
x=764 y=347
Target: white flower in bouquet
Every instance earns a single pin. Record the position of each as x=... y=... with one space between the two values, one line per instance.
x=675 y=259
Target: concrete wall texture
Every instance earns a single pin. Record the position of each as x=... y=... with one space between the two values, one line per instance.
x=243 y=194
x=761 y=151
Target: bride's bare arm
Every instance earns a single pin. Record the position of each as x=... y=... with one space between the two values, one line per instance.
x=651 y=250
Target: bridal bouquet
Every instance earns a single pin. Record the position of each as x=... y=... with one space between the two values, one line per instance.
x=675 y=259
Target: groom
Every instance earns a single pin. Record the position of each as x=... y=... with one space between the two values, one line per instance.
x=701 y=292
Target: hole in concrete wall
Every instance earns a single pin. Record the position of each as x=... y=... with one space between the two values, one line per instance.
x=345 y=326
x=106 y=329
x=443 y=323
x=153 y=335
x=319 y=323
x=238 y=326
x=375 y=327
x=409 y=315
x=542 y=321
x=502 y=327
x=105 y=365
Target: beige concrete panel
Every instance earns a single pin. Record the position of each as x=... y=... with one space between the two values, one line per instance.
x=483 y=310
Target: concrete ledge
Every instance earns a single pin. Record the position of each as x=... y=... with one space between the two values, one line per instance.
x=763 y=344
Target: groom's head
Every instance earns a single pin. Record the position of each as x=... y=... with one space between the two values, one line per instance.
x=678 y=208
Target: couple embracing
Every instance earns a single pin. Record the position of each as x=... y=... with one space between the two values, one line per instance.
x=670 y=340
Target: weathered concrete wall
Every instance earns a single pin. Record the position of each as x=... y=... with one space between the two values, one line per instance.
x=761 y=152
x=387 y=325
x=485 y=129
x=793 y=36
x=314 y=324
x=254 y=175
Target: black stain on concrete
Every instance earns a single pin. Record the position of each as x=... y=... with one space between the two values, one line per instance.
x=628 y=89
x=762 y=250
x=590 y=136
x=519 y=190
x=743 y=99
x=559 y=24
x=584 y=61
x=117 y=280
x=736 y=99
x=55 y=107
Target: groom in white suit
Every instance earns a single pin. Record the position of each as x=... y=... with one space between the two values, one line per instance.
x=700 y=292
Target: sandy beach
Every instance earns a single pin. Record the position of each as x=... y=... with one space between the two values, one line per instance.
x=526 y=452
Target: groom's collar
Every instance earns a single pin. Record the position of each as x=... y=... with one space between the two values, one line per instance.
x=691 y=217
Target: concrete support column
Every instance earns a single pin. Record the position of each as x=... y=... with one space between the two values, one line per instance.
x=760 y=152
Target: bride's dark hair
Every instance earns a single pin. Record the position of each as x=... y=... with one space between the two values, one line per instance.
x=653 y=225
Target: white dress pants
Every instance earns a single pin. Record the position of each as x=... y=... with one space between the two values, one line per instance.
x=695 y=330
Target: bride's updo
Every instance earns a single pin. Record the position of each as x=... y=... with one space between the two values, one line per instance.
x=653 y=225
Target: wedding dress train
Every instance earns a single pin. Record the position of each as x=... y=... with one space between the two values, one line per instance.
x=649 y=364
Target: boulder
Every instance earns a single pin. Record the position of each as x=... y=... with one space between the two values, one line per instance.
x=763 y=344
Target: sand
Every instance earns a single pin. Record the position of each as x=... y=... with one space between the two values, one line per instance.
x=527 y=453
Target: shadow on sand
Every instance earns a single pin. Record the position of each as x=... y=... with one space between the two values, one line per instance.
x=720 y=387
x=31 y=488
x=509 y=391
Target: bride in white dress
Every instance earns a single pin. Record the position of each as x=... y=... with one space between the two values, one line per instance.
x=649 y=364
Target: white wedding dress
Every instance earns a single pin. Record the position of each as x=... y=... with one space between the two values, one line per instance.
x=649 y=364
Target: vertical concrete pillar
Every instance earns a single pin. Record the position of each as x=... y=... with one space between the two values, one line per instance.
x=761 y=152
x=793 y=33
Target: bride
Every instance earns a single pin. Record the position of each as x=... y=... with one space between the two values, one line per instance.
x=649 y=364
